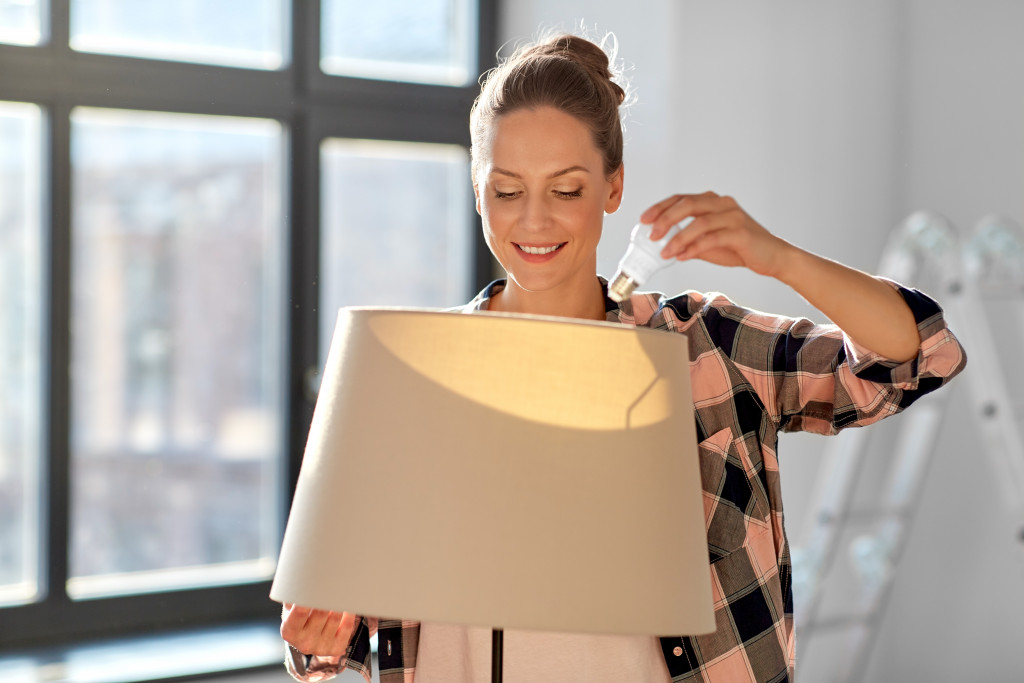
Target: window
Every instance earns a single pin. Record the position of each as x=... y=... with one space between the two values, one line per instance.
x=21 y=153
x=185 y=202
x=177 y=406
x=21 y=22
x=421 y=246
x=427 y=41
x=244 y=33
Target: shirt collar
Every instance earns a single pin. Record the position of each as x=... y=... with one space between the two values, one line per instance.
x=614 y=312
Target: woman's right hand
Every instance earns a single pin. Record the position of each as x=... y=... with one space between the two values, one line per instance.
x=316 y=631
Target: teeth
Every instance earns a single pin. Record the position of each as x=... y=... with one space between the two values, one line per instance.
x=538 y=250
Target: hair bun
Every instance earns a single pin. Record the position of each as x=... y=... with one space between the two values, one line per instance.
x=591 y=56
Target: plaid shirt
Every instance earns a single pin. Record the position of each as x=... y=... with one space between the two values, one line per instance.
x=753 y=375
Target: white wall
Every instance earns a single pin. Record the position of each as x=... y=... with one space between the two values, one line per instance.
x=747 y=100
x=959 y=614
x=830 y=122
x=963 y=121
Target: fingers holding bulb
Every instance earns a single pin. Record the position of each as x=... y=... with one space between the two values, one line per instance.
x=720 y=232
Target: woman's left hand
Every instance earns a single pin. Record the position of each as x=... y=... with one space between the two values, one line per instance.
x=721 y=233
x=870 y=311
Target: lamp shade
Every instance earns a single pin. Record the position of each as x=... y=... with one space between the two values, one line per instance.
x=502 y=471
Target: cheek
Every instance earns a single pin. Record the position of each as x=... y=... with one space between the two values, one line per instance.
x=494 y=241
x=597 y=210
x=495 y=215
x=491 y=223
x=591 y=218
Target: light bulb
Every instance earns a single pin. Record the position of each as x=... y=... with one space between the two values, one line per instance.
x=641 y=260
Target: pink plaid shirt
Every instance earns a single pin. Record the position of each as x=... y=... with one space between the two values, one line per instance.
x=753 y=375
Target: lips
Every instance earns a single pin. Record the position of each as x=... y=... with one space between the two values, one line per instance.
x=538 y=253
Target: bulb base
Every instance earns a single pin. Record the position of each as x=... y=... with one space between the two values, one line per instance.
x=621 y=287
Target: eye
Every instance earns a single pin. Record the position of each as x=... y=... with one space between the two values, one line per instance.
x=505 y=195
x=574 y=194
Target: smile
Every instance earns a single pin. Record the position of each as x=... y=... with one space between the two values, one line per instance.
x=540 y=250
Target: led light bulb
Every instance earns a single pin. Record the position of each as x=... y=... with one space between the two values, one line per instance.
x=641 y=260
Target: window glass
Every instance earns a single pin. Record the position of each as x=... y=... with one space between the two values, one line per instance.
x=178 y=328
x=396 y=226
x=244 y=33
x=21 y=153
x=21 y=22
x=425 y=41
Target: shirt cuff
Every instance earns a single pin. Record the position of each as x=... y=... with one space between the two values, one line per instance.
x=311 y=668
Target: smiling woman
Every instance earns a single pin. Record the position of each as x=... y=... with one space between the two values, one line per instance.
x=547 y=167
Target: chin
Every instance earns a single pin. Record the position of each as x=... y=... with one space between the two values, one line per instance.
x=529 y=282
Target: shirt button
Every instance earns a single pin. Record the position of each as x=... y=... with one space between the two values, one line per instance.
x=678 y=651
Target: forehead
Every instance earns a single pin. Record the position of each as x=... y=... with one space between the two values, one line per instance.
x=537 y=140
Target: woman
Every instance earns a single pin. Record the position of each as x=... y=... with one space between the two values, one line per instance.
x=547 y=166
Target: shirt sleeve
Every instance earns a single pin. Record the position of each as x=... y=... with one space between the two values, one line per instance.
x=357 y=657
x=815 y=378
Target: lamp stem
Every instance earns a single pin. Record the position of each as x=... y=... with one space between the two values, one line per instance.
x=497 y=653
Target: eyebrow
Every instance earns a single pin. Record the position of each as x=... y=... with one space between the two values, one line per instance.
x=556 y=174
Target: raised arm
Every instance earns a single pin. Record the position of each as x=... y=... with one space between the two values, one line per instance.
x=869 y=311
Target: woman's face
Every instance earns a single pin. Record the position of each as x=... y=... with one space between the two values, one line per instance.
x=542 y=193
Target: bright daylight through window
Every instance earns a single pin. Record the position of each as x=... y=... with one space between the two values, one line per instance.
x=177 y=306
x=242 y=33
x=20 y=341
x=21 y=22
x=420 y=246
x=423 y=41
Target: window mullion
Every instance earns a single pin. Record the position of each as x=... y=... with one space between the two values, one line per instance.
x=60 y=26
x=57 y=395
x=303 y=234
x=305 y=46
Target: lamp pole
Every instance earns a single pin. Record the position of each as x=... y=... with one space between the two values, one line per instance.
x=497 y=654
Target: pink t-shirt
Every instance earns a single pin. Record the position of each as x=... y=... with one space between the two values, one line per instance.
x=459 y=654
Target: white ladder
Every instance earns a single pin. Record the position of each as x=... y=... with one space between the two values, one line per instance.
x=870 y=481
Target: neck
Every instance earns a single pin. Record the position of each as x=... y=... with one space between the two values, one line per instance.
x=580 y=302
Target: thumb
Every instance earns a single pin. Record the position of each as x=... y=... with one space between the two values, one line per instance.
x=348 y=624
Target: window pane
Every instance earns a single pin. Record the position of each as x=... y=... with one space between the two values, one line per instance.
x=424 y=41
x=396 y=226
x=177 y=337
x=21 y=228
x=21 y=22
x=245 y=33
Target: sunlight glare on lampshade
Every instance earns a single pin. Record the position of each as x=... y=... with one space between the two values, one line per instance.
x=547 y=392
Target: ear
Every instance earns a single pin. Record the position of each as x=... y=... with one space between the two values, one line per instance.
x=615 y=192
x=476 y=194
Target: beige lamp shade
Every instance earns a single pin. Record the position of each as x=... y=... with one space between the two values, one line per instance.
x=502 y=471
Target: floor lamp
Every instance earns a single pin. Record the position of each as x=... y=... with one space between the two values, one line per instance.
x=499 y=454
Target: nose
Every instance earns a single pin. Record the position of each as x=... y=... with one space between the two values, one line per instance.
x=536 y=213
